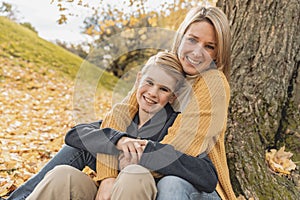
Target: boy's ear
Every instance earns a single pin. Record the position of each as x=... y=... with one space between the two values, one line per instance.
x=172 y=98
x=138 y=79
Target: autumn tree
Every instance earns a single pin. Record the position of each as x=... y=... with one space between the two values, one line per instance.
x=8 y=10
x=109 y=20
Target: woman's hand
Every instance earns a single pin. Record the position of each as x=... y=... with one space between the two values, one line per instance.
x=105 y=189
x=132 y=148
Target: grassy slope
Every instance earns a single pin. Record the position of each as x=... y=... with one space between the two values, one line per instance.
x=37 y=80
x=17 y=41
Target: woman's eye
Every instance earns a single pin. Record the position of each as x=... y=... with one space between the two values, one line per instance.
x=210 y=47
x=192 y=40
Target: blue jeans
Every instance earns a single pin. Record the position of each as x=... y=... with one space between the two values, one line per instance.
x=175 y=188
x=66 y=156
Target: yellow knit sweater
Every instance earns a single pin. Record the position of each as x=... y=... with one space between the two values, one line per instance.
x=199 y=128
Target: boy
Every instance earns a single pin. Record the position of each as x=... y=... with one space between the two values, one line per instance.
x=155 y=85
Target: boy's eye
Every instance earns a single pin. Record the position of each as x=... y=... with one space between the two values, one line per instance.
x=149 y=82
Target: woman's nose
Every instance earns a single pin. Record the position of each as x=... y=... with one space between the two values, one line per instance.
x=198 y=51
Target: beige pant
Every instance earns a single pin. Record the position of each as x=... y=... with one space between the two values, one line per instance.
x=135 y=183
x=64 y=183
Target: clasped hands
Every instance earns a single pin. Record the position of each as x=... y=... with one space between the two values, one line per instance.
x=131 y=152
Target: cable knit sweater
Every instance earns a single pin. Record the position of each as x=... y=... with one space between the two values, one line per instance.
x=199 y=128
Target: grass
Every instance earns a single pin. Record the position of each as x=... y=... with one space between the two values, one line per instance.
x=17 y=41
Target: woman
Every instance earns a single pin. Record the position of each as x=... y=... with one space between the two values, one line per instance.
x=202 y=29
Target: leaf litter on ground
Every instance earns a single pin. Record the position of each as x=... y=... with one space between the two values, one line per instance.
x=36 y=110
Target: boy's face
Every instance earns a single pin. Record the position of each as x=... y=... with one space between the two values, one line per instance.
x=155 y=90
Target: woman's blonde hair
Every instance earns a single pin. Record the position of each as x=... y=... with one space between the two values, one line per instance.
x=218 y=19
x=168 y=62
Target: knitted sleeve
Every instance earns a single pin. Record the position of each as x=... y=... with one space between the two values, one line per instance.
x=119 y=118
x=201 y=126
x=198 y=127
x=218 y=157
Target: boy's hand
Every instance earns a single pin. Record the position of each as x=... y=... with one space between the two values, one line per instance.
x=132 y=148
x=105 y=189
x=123 y=162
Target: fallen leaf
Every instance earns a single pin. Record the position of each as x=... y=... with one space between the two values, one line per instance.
x=279 y=161
x=36 y=111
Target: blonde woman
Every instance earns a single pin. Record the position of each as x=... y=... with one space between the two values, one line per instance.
x=201 y=126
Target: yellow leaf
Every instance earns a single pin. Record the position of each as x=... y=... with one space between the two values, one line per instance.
x=6 y=187
x=279 y=161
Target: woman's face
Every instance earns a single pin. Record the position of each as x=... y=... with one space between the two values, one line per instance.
x=198 y=47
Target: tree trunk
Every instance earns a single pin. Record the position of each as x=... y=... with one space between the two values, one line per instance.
x=265 y=89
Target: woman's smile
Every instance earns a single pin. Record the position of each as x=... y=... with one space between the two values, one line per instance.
x=194 y=62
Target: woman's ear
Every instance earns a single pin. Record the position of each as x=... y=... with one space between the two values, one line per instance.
x=138 y=79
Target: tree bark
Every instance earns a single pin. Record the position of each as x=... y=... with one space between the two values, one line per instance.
x=265 y=89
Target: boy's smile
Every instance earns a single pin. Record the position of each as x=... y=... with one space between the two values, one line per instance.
x=154 y=91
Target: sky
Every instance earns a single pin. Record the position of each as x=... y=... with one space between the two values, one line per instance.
x=43 y=16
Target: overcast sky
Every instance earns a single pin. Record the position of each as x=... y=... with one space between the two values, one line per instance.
x=43 y=17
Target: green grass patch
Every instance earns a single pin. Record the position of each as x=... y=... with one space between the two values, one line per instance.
x=18 y=42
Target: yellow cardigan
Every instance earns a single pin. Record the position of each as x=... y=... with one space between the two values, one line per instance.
x=199 y=128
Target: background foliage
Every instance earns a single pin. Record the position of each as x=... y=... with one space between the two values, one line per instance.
x=37 y=78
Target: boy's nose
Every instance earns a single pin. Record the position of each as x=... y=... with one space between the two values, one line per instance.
x=153 y=91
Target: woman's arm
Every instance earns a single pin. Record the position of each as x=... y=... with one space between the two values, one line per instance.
x=164 y=159
x=199 y=126
x=196 y=130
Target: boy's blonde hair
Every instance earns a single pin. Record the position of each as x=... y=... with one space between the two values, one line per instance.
x=168 y=62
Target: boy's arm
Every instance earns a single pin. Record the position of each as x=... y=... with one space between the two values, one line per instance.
x=102 y=137
x=90 y=138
